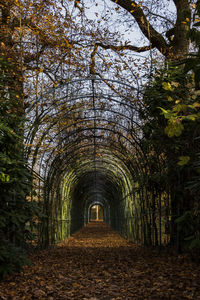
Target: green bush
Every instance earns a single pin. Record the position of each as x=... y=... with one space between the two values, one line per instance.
x=15 y=181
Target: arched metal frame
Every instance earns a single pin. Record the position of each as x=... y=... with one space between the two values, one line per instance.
x=100 y=204
x=85 y=128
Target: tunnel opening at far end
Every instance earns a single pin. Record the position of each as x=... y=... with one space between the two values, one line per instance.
x=96 y=213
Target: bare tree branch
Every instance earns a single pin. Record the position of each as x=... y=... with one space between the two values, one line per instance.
x=159 y=16
x=124 y=47
x=156 y=39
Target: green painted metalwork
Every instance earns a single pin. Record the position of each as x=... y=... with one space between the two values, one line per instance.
x=85 y=146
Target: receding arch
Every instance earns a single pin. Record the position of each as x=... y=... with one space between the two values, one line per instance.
x=87 y=143
x=98 y=211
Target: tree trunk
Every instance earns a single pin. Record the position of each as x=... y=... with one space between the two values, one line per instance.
x=181 y=42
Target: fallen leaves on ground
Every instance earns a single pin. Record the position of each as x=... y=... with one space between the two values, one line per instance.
x=96 y=263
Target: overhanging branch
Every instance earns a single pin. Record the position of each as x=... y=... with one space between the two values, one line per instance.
x=155 y=38
x=124 y=47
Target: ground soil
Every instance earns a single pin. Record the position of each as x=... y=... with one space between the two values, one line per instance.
x=96 y=263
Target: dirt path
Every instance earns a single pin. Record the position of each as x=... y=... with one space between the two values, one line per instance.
x=96 y=263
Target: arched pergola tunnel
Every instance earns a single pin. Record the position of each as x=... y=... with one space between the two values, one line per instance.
x=83 y=142
x=102 y=181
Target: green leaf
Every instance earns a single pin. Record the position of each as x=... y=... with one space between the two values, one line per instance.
x=191 y=117
x=183 y=160
x=2 y=177
x=174 y=128
x=167 y=86
x=167 y=113
x=169 y=98
x=179 y=107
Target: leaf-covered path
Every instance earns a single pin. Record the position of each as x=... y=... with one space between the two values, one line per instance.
x=97 y=263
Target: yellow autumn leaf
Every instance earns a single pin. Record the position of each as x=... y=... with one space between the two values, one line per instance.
x=174 y=83
x=170 y=98
x=167 y=86
x=183 y=160
x=196 y=104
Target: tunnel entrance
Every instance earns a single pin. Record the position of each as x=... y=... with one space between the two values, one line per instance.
x=96 y=213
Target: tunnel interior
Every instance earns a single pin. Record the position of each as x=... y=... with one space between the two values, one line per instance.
x=83 y=149
x=103 y=182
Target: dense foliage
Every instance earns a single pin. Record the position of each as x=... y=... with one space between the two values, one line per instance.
x=171 y=140
x=15 y=210
x=171 y=133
